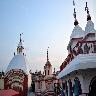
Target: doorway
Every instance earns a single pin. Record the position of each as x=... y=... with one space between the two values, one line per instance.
x=92 y=87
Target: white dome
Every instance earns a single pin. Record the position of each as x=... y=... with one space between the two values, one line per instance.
x=18 y=62
x=89 y=27
x=77 y=32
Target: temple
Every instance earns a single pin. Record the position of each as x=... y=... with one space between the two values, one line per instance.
x=44 y=83
x=17 y=75
x=78 y=71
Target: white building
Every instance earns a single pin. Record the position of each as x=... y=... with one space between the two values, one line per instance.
x=78 y=71
x=17 y=76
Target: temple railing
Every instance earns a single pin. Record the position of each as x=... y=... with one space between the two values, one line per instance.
x=82 y=47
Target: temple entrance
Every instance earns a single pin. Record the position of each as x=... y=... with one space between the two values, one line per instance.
x=92 y=87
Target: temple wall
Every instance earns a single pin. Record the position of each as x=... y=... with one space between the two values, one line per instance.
x=72 y=77
x=17 y=81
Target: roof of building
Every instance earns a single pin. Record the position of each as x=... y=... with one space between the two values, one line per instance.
x=77 y=32
x=82 y=61
x=18 y=62
x=89 y=27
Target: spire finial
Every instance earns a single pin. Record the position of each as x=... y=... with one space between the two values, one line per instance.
x=74 y=14
x=20 y=46
x=87 y=10
x=20 y=37
x=47 y=54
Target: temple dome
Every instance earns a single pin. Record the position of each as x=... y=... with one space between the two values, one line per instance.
x=18 y=62
x=77 y=32
x=89 y=27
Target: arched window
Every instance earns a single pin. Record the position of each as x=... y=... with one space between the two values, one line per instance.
x=70 y=89
x=48 y=72
x=77 y=87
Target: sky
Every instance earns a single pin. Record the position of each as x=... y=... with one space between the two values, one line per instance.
x=43 y=23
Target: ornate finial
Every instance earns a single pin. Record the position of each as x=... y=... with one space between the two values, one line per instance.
x=47 y=54
x=87 y=10
x=74 y=14
x=20 y=46
x=20 y=37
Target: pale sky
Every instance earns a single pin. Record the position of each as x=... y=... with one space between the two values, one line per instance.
x=43 y=23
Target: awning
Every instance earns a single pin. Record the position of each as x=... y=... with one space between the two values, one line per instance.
x=82 y=61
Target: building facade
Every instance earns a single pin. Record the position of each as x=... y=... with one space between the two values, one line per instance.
x=45 y=83
x=78 y=71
